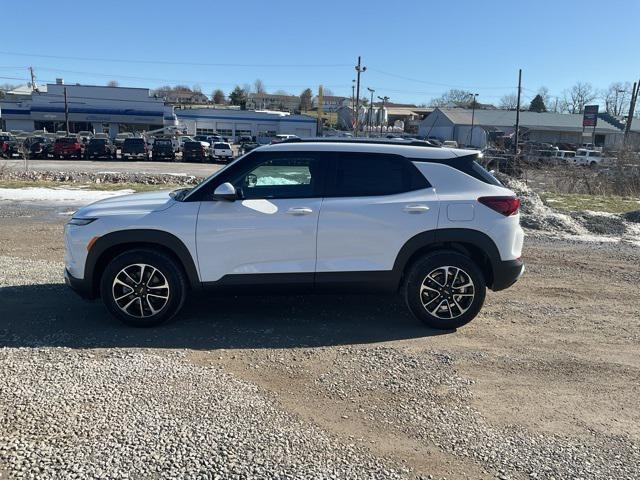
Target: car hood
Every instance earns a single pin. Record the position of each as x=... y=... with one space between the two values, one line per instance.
x=134 y=204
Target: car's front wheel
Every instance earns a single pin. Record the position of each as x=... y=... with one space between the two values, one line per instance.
x=445 y=290
x=143 y=287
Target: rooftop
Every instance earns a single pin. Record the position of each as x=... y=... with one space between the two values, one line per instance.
x=507 y=118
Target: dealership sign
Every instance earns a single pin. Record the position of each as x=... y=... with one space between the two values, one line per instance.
x=590 y=118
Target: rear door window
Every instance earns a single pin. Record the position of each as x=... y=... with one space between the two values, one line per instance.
x=373 y=174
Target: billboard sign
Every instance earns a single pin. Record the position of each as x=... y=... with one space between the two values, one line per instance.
x=590 y=118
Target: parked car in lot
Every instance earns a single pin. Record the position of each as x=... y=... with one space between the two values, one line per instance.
x=282 y=137
x=374 y=216
x=565 y=157
x=85 y=136
x=135 y=148
x=121 y=137
x=589 y=158
x=162 y=149
x=6 y=141
x=39 y=147
x=68 y=147
x=204 y=140
x=450 y=144
x=222 y=151
x=100 y=148
x=193 y=152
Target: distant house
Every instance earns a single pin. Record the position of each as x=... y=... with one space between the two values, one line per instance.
x=455 y=124
x=331 y=103
x=272 y=101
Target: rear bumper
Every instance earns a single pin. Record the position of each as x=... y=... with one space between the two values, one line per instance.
x=80 y=286
x=506 y=273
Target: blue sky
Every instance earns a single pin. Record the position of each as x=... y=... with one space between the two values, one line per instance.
x=414 y=50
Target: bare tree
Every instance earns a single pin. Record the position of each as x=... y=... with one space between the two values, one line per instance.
x=509 y=101
x=453 y=98
x=281 y=92
x=113 y=83
x=327 y=92
x=258 y=86
x=546 y=96
x=578 y=96
x=617 y=98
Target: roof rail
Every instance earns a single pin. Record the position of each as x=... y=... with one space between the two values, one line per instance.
x=375 y=141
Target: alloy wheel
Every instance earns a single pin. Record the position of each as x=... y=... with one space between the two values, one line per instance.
x=140 y=290
x=447 y=292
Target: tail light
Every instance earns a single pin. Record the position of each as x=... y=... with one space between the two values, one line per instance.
x=505 y=205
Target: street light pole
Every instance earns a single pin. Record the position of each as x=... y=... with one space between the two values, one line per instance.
x=372 y=91
x=384 y=100
x=473 y=115
x=360 y=69
x=66 y=110
x=353 y=103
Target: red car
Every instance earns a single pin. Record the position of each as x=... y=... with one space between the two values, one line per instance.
x=67 y=147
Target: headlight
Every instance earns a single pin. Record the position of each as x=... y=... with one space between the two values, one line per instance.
x=81 y=221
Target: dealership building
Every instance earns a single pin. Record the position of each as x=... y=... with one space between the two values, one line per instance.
x=113 y=110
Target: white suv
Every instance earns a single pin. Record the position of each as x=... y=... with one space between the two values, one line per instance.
x=337 y=216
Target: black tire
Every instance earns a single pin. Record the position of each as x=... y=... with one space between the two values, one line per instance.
x=135 y=316
x=461 y=307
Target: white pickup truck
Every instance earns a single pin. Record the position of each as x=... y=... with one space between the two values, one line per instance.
x=222 y=151
x=590 y=158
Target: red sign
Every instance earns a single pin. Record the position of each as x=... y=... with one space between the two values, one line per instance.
x=590 y=118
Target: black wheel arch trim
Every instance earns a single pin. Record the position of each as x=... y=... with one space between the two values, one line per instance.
x=139 y=238
x=501 y=271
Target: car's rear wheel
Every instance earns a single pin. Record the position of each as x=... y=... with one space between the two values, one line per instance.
x=445 y=290
x=143 y=288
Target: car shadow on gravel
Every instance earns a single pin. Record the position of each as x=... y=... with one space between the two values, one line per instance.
x=50 y=315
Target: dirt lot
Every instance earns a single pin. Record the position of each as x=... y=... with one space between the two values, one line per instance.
x=543 y=384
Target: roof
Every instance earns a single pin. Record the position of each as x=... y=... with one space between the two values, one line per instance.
x=507 y=118
x=363 y=146
x=26 y=89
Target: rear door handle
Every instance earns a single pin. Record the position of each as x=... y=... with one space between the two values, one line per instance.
x=299 y=211
x=416 y=208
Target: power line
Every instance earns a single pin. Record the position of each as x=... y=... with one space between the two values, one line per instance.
x=165 y=62
x=437 y=84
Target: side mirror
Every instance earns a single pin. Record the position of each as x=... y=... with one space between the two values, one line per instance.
x=226 y=191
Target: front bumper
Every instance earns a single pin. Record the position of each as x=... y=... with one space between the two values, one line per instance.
x=506 y=273
x=80 y=286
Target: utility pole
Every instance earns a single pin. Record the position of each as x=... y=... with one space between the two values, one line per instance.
x=384 y=100
x=34 y=87
x=632 y=108
x=517 y=133
x=359 y=69
x=66 y=110
x=372 y=91
x=473 y=116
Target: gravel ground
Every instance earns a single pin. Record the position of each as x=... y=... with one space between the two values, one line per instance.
x=543 y=384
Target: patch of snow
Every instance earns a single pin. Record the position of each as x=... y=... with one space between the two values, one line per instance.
x=72 y=196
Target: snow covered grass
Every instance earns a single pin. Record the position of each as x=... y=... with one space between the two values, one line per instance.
x=102 y=186
x=59 y=195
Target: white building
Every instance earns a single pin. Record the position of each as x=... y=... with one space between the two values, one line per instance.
x=331 y=103
x=234 y=123
x=93 y=108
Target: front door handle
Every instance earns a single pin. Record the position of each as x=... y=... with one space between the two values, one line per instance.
x=416 y=208
x=299 y=211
